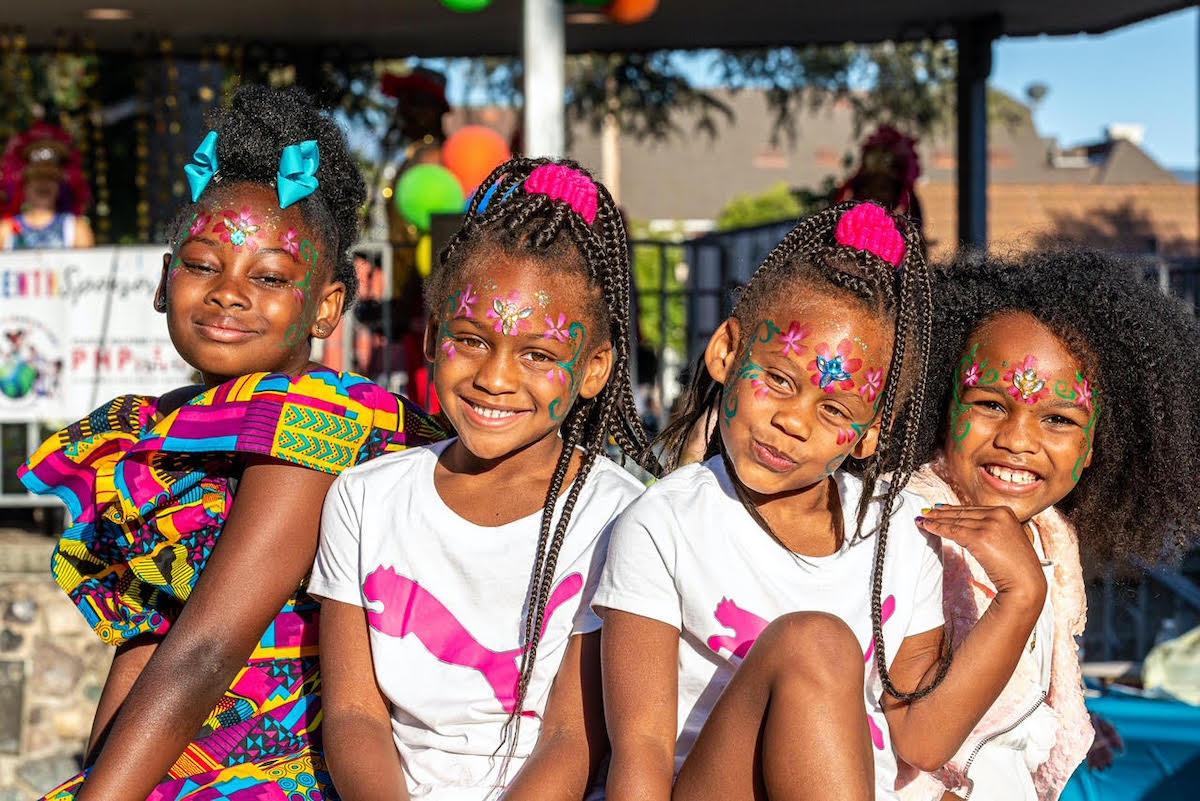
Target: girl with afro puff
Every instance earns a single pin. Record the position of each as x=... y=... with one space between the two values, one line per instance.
x=1068 y=405
x=214 y=689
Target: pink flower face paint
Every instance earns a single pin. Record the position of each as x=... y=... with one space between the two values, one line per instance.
x=830 y=368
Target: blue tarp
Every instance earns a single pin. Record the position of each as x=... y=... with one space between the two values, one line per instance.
x=1161 y=761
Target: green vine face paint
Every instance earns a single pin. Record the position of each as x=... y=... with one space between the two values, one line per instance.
x=1021 y=419
x=801 y=393
x=242 y=287
x=511 y=353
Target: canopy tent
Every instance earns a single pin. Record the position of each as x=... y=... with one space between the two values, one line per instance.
x=543 y=30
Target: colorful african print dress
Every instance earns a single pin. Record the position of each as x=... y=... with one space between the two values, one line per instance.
x=148 y=499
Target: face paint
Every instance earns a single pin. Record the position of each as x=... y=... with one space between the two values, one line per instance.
x=238 y=229
x=791 y=338
x=872 y=384
x=578 y=333
x=302 y=290
x=556 y=330
x=829 y=368
x=1081 y=392
x=509 y=314
x=748 y=369
x=200 y=222
x=1025 y=385
x=464 y=299
x=970 y=373
x=290 y=242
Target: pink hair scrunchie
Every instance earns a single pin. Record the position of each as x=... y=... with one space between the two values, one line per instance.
x=869 y=227
x=559 y=182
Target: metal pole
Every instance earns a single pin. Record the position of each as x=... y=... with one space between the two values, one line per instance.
x=544 y=51
x=975 y=38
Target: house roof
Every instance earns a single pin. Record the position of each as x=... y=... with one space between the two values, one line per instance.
x=427 y=28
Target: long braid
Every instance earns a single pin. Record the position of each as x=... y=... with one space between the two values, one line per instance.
x=503 y=216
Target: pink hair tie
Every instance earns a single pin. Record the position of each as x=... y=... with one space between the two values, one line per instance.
x=869 y=227
x=568 y=185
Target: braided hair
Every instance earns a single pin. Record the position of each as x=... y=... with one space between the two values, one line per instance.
x=251 y=135
x=507 y=219
x=1139 y=348
x=811 y=259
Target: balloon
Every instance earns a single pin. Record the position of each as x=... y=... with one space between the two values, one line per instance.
x=466 y=6
x=425 y=255
x=472 y=152
x=425 y=190
x=628 y=12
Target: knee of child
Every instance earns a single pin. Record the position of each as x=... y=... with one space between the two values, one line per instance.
x=814 y=644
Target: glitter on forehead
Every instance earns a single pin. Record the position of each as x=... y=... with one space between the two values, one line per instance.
x=543 y=298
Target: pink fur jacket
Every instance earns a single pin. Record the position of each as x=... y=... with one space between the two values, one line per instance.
x=966 y=594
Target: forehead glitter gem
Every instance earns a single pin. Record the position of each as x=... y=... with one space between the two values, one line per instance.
x=1026 y=386
x=508 y=315
x=829 y=368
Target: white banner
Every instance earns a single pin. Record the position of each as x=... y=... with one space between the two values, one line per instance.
x=78 y=328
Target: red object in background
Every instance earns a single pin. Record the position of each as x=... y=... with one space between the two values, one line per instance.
x=629 y=12
x=472 y=152
x=46 y=150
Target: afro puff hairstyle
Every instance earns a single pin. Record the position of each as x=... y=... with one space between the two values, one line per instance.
x=252 y=133
x=1138 y=501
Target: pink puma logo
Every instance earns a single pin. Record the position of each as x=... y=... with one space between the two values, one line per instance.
x=885 y=611
x=746 y=626
x=409 y=608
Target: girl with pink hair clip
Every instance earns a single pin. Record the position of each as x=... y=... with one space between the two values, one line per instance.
x=458 y=647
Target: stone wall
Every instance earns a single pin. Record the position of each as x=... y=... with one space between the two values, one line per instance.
x=52 y=668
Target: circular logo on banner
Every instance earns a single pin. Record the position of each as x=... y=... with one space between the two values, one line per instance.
x=31 y=362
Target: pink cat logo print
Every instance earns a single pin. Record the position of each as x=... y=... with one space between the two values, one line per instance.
x=409 y=608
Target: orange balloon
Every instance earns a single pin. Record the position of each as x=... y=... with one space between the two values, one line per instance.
x=472 y=152
x=628 y=12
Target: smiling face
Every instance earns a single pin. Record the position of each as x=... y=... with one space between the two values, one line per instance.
x=801 y=390
x=513 y=348
x=1021 y=419
x=247 y=287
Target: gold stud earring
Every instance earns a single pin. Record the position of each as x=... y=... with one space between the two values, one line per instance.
x=320 y=330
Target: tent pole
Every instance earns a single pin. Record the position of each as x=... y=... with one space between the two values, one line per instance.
x=975 y=37
x=544 y=53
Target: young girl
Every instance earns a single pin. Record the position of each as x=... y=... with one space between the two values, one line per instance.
x=818 y=366
x=456 y=579
x=214 y=687
x=1068 y=390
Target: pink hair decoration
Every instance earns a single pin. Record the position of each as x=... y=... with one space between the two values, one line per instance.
x=559 y=182
x=869 y=227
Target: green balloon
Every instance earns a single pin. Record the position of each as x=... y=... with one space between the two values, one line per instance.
x=425 y=190
x=466 y=6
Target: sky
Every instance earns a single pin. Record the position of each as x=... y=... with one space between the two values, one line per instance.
x=1144 y=73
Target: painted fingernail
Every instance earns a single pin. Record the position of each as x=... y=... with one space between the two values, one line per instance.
x=926 y=510
x=938 y=505
x=921 y=518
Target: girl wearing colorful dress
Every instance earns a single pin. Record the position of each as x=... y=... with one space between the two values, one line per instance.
x=459 y=650
x=214 y=689
x=1065 y=406
x=772 y=616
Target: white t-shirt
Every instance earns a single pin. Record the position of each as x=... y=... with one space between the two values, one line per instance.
x=446 y=601
x=688 y=553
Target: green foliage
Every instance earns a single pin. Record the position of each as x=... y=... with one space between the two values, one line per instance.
x=656 y=259
x=746 y=210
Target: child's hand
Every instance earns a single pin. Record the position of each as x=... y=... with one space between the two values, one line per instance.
x=1106 y=746
x=997 y=540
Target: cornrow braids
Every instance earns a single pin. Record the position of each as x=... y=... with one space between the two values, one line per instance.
x=251 y=135
x=504 y=217
x=812 y=258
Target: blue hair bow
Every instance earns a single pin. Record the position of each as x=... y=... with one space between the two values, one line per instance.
x=297 y=177
x=203 y=166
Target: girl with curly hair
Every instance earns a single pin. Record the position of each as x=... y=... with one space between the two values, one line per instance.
x=214 y=690
x=1067 y=407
